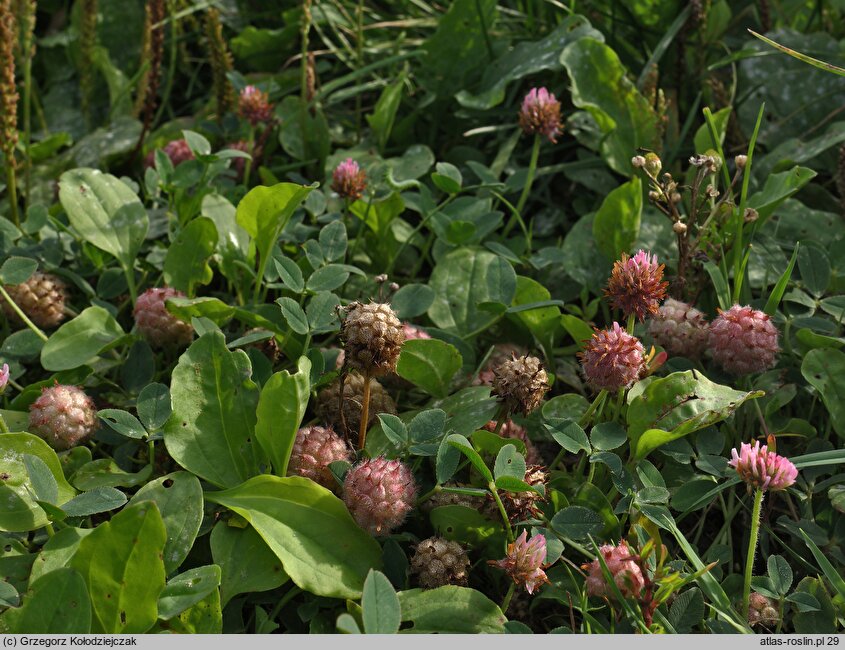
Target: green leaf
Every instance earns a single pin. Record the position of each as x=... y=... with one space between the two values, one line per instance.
x=600 y=85
x=281 y=408
x=780 y=287
x=380 y=610
x=210 y=431
x=265 y=211
x=412 y=300
x=833 y=576
x=101 y=499
x=123 y=423
x=205 y=617
x=447 y=178
x=197 y=143
x=18 y=510
x=121 y=562
x=687 y=611
x=214 y=309
x=327 y=278
x=247 y=563
x=616 y=225
x=187 y=589
x=814 y=267
x=568 y=434
x=186 y=264
x=178 y=497
x=531 y=306
x=309 y=529
x=464 y=279
x=333 y=241
x=79 y=340
x=825 y=371
x=293 y=315
x=450 y=610
x=463 y=445
x=383 y=115
x=674 y=406
x=703 y=139
x=459 y=37
x=9 y=597
x=58 y=603
x=577 y=522
x=526 y=58
x=778 y=188
x=153 y=406
x=720 y=284
x=394 y=429
x=57 y=551
x=105 y=212
x=509 y=463
x=822 y=65
x=780 y=573
x=104 y=472
x=289 y=273
x=17 y=270
x=804 y=602
x=429 y=364
x=43 y=482
x=608 y=435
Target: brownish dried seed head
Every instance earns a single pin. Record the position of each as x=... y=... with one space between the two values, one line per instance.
x=521 y=383
x=373 y=337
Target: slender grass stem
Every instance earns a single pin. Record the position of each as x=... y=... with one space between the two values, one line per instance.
x=529 y=181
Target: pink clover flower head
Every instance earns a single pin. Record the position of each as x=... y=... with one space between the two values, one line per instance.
x=612 y=359
x=177 y=150
x=254 y=106
x=624 y=568
x=761 y=468
x=4 y=377
x=349 y=180
x=524 y=561
x=743 y=340
x=636 y=285
x=540 y=113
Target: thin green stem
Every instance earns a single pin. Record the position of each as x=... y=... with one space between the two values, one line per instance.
x=21 y=315
x=3 y=426
x=129 y=272
x=529 y=181
x=631 y=322
x=752 y=548
x=492 y=487
x=588 y=416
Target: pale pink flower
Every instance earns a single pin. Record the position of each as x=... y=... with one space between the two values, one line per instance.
x=4 y=377
x=622 y=565
x=761 y=468
x=524 y=561
x=540 y=113
x=254 y=106
x=743 y=340
x=349 y=180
